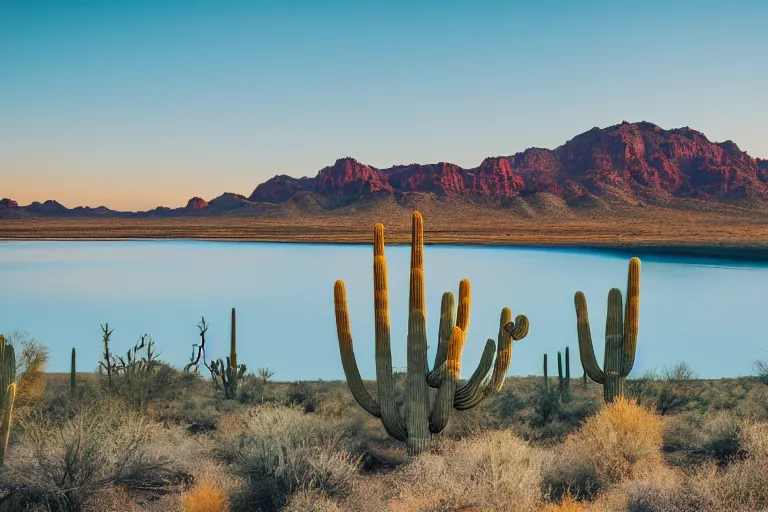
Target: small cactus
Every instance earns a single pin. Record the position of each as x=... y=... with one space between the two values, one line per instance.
x=620 y=335
x=73 y=375
x=226 y=376
x=564 y=381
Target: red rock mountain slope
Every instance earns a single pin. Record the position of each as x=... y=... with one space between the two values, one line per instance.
x=634 y=163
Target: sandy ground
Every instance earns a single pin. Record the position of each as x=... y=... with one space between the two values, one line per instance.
x=734 y=233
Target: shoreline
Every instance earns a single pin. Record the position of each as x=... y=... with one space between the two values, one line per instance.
x=746 y=252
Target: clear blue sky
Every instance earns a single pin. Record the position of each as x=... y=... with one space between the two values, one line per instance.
x=133 y=104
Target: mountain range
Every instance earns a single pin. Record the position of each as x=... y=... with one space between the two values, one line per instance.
x=636 y=164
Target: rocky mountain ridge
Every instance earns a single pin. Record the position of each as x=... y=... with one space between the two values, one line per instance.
x=629 y=163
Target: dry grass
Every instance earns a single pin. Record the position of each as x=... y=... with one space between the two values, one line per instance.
x=97 y=446
x=621 y=442
x=568 y=504
x=499 y=457
x=493 y=472
x=206 y=496
x=31 y=358
x=282 y=450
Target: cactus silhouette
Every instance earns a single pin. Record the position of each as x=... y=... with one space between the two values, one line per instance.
x=621 y=327
x=73 y=375
x=226 y=375
x=417 y=425
x=7 y=393
x=564 y=381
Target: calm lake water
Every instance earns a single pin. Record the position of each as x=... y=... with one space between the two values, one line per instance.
x=707 y=313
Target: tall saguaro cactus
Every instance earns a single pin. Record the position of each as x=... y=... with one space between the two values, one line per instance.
x=7 y=393
x=418 y=423
x=620 y=335
x=226 y=376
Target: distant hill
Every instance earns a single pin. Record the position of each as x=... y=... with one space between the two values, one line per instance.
x=626 y=164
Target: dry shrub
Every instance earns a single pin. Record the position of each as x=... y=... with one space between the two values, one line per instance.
x=206 y=496
x=493 y=472
x=31 y=358
x=282 y=450
x=568 y=504
x=63 y=463
x=622 y=441
x=312 y=501
x=665 y=498
x=742 y=484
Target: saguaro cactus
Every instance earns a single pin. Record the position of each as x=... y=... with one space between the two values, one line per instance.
x=418 y=424
x=8 y=393
x=620 y=335
x=226 y=376
x=73 y=375
x=7 y=368
x=564 y=381
x=546 y=376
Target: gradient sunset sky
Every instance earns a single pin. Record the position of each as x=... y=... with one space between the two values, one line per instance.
x=135 y=104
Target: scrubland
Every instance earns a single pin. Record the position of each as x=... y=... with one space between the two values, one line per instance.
x=167 y=440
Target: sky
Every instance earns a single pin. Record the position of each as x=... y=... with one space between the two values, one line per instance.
x=135 y=104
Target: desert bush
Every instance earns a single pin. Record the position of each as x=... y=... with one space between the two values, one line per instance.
x=205 y=496
x=31 y=358
x=546 y=406
x=491 y=472
x=312 y=501
x=643 y=389
x=620 y=442
x=740 y=486
x=659 y=498
x=567 y=504
x=760 y=366
x=304 y=395
x=101 y=444
x=696 y=437
x=282 y=450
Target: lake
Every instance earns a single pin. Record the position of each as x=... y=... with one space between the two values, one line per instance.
x=704 y=312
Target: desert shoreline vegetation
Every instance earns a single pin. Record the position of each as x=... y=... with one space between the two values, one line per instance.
x=137 y=433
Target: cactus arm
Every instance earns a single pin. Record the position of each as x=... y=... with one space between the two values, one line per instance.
x=479 y=393
x=474 y=384
x=390 y=415
x=417 y=390
x=5 y=427
x=447 y=321
x=586 y=349
x=503 y=354
x=441 y=411
x=436 y=376
x=519 y=328
x=348 y=361
x=631 y=316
